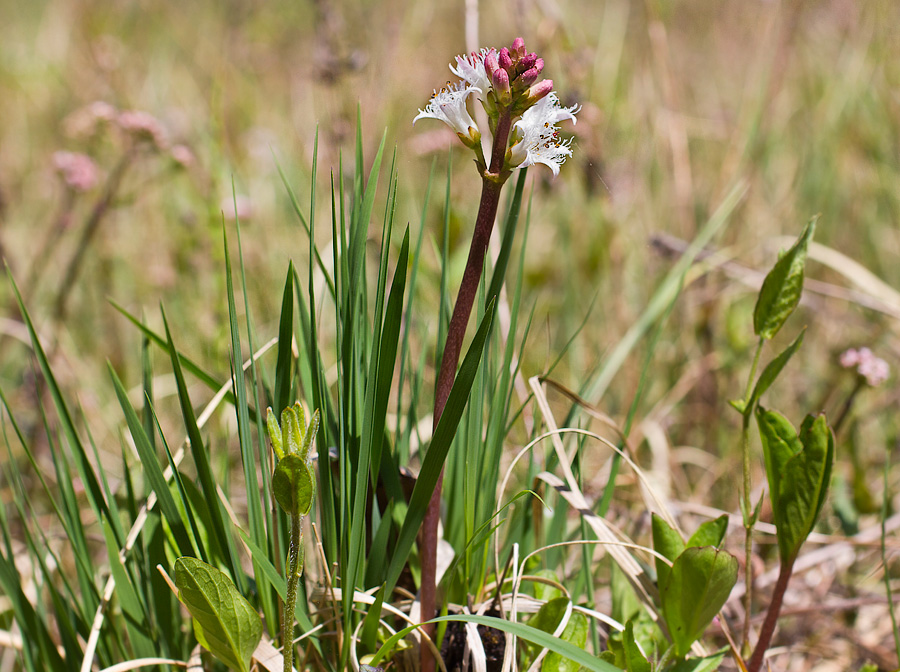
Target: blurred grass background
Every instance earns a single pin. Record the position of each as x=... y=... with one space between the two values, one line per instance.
x=680 y=101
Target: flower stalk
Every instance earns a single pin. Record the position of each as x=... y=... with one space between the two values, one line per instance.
x=522 y=114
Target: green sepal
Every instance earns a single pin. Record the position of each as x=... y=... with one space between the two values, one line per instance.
x=293 y=426
x=274 y=433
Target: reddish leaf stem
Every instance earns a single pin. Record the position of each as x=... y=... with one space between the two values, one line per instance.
x=768 y=628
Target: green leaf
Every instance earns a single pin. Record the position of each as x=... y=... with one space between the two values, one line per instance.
x=575 y=633
x=706 y=664
x=667 y=542
x=770 y=373
x=635 y=661
x=710 y=533
x=799 y=470
x=293 y=486
x=698 y=585
x=224 y=622
x=437 y=451
x=275 y=435
x=545 y=592
x=285 y=333
x=550 y=614
x=782 y=287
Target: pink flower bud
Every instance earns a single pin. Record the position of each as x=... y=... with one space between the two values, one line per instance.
x=500 y=81
x=518 y=48
x=527 y=78
x=539 y=90
x=528 y=61
x=505 y=60
x=539 y=64
x=490 y=62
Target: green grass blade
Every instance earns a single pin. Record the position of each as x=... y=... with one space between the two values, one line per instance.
x=248 y=454
x=152 y=469
x=133 y=608
x=85 y=469
x=306 y=227
x=437 y=451
x=283 y=369
x=381 y=373
x=201 y=462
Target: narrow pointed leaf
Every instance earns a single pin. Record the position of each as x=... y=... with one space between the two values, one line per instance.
x=668 y=542
x=782 y=287
x=770 y=373
x=635 y=661
x=710 y=533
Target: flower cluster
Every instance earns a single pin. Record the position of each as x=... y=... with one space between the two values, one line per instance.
x=508 y=85
x=78 y=171
x=869 y=367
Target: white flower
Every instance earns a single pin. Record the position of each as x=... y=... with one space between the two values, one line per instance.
x=537 y=137
x=470 y=67
x=449 y=105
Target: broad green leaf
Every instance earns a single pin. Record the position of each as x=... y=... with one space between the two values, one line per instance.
x=706 y=664
x=549 y=615
x=224 y=622
x=635 y=661
x=799 y=471
x=780 y=444
x=698 y=585
x=543 y=591
x=710 y=533
x=667 y=542
x=770 y=373
x=293 y=486
x=575 y=633
x=782 y=287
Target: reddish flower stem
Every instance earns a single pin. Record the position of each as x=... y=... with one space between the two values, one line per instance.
x=768 y=628
x=491 y=184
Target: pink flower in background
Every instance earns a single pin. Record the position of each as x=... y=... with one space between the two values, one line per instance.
x=874 y=369
x=143 y=126
x=182 y=155
x=87 y=120
x=78 y=171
